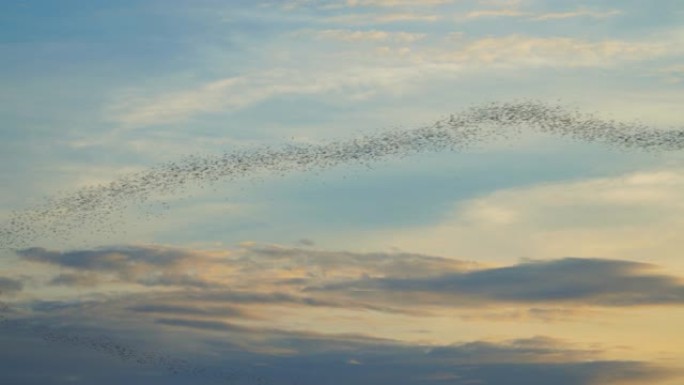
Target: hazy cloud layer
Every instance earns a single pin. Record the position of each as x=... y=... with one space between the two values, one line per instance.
x=240 y=313
x=585 y=281
x=144 y=265
x=375 y=281
x=248 y=355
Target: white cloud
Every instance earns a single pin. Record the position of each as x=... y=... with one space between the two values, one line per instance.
x=494 y=13
x=636 y=216
x=336 y=4
x=395 y=3
x=381 y=18
x=366 y=36
x=537 y=16
x=390 y=68
x=582 y=12
x=396 y=17
x=526 y=51
x=242 y=91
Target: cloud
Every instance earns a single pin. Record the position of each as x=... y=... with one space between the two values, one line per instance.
x=541 y=16
x=252 y=303
x=309 y=359
x=222 y=311
x=529 y=51
x=145 y=265
x=220 y=304
x=383 y=18
x=574 y=280
x=280 y=340
x=27 y=360
x=534 y=349
x=386 y=69
x=494 y=13
x=589 y=373
x=332 y=4
x=245 y=319
x=258 y=276
x=582 y=12
x=250 y=263
x=204 y=325
x=335 y=265
x=86 y=355
x=366 y=36
x=634 y=216
x=405 y=17
x=10 y=285
x=394 y=3
x=347 y=5
x=545 y=314
x=220 y=95
x=104 y=259
x=251 y=279
x=75 y=280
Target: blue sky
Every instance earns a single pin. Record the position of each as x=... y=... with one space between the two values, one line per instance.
x=391 y=272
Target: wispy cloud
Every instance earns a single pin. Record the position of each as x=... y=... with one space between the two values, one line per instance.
x=346 y=358
x=574 y=280
x=236 y=93
x=318 y=278
x=335 y=4
x=517 y=12
x=388 y=68
x=622 y=217
x=394 y=3
x=373 y=19
x=369 y=35
x=240 y=310
x=494 y=13
x=75 y=280
x=528 y=51
x=582 y=12
x=143 y=265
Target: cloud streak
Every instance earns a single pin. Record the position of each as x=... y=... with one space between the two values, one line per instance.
x=375 y=281
x=396 y=59
x=237 y=318
x=541 y=16
x=570 y=280
x=310 y=358
x=150 y=266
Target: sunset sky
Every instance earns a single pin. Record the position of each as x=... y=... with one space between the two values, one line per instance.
x=520 y=258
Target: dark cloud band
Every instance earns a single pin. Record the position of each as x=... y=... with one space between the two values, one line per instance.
x=108 y=346
x=372 y=281
x=326 y=359
x=597 y=282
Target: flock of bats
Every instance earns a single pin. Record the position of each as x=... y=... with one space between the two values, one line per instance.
x=94 y=207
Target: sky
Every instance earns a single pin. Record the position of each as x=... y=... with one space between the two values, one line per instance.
x=467 y=192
